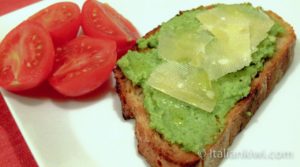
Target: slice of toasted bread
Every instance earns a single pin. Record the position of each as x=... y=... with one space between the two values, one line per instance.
x=159 y=152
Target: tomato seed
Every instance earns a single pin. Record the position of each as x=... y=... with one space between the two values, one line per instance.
x=33 y=37
x=59 y=50
x=71 y=75
x=97 y=56
x=28 y=64
x=38 y=55
x=39 y=47
x=109 y=32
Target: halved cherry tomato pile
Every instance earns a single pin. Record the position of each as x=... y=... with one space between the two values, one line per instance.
x=45 y=47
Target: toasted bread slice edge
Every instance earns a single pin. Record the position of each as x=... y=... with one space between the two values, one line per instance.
x=159 y=152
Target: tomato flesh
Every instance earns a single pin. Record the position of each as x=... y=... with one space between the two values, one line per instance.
x=102 y=21
x=83 y=65
x=61 y=19
x=26 y=57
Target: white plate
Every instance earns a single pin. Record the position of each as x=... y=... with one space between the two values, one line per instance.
x=92 y=132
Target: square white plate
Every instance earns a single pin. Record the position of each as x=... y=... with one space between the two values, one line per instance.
x=92 y=132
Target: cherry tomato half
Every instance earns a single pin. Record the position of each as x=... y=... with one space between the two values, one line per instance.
x=61 y=19
x=26 y=57
x=83 y=65
x=102 y=21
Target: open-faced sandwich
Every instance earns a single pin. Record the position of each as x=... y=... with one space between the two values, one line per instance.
x=193 y=83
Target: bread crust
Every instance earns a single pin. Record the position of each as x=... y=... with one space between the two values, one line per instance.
x=159 y=152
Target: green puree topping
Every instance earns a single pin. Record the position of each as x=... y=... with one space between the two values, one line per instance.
x=177 y=121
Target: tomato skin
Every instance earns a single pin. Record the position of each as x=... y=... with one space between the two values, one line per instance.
x=26 y=57
x=83 y=65
x=102 y=21
x=61 y=19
